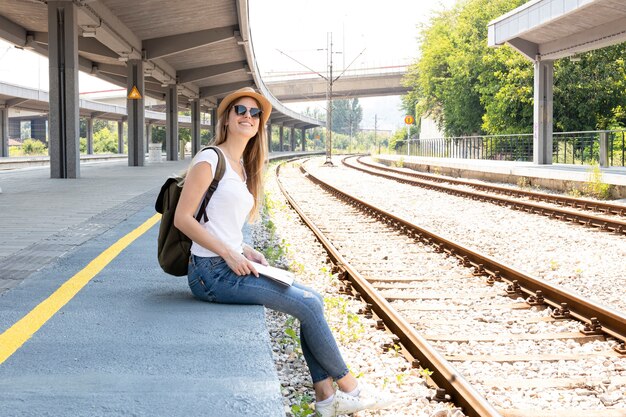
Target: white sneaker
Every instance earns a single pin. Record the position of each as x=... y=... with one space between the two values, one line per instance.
x=368 y=399
x=327 y=410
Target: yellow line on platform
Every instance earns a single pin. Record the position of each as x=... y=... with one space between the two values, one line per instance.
x=15 y=336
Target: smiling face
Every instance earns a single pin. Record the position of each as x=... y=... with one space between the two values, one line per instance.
x=245 y=125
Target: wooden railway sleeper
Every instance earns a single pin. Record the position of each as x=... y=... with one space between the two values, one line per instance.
x=561 y=201
x=514 y=288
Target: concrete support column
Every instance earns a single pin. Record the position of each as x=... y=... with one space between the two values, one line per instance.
x=604 y=149
x=280 y=138
x=120 y=137
x=4 y=132
x=269 y=137
x=303 y=140
x=149 y=133
x=171 y=123
x=64 y=147
x=146 y=139
x=542 y=127
x=38 y=129
x=213 y=123
x=292 y=137
x=89 y=136
x=136 y=114
x=195 y=126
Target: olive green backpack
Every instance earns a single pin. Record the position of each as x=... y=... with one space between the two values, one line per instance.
x=174 y=248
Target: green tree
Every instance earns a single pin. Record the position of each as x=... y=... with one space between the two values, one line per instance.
x=104 y=141
x=469 y=88
x=446 y=79
x=33 y=147
x=347 y=115
x=506 y=92
x=158 y=134
x=315 y=113
x=398 y=139
x=590 y=94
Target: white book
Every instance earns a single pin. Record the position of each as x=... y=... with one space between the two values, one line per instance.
x=279 y=275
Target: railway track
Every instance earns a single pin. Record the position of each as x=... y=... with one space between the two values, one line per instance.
x=486 y=321
x=578 y=211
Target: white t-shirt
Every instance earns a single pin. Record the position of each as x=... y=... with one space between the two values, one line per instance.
x=228 y=208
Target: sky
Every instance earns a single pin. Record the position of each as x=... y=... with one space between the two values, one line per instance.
x=386 y=30
x=363 y=29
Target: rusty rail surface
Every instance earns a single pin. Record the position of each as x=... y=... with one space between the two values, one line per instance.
x=462 y=392
x=597 y=319
x=589 y=220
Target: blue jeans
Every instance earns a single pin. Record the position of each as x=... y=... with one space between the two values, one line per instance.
x=211 y=279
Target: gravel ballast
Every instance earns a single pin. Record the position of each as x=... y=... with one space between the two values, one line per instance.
x=359 y=341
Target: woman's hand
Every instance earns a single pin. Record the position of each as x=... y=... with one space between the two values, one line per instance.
x=239 y=264
x=254 y=255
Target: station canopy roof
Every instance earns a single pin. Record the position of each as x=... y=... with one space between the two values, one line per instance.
x=552 y=29
x=204 y=47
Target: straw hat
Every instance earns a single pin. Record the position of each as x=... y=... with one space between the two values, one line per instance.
x=266 y=107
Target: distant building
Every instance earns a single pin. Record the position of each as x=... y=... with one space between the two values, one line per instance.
x=429 y=129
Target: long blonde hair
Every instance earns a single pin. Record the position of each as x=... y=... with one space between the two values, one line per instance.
x=254 y=156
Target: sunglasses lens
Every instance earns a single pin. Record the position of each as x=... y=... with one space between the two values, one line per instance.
x=241 y=110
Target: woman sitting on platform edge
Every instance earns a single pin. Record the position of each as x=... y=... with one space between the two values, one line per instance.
x=220 y=270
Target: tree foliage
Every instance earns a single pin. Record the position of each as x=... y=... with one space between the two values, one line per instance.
x=347 y=115
x=469 y=88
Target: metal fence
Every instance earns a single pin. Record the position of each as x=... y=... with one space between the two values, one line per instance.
x=603 y=147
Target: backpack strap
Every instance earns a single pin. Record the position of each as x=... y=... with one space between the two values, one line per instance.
x=219 y=174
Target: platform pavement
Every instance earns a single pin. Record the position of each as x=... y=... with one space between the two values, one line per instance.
x=133 y=341
x=561 y=177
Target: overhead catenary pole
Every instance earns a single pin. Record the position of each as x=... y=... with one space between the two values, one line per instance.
x=329 y=100
x=329 y=91
x=376 y=131
x=408 y=139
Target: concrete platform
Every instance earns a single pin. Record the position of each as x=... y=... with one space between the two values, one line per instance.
x=558 y=177
x=133 y=340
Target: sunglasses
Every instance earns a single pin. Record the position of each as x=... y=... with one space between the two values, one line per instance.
x=241 y=110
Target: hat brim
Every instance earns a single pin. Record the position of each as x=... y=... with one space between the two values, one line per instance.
x=266 y=107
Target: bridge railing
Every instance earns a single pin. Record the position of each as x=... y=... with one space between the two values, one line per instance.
x=273 y=77
x=603 y=147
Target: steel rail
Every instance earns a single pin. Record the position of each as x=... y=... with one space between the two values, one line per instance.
x=616 y=209
x=597 y=319
x=445 y=376
x=589 y=220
